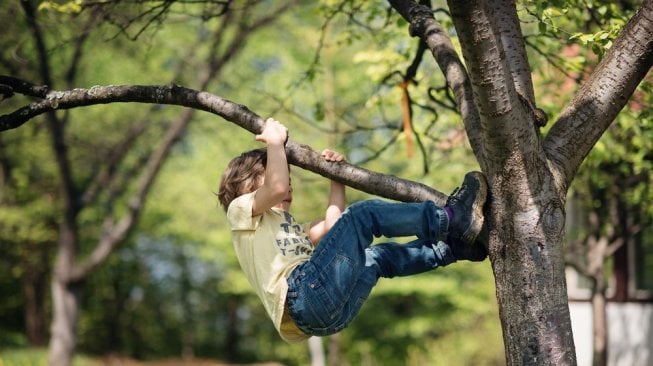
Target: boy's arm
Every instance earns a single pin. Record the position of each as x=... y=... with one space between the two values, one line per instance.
x=336 y=205
x=277 y=178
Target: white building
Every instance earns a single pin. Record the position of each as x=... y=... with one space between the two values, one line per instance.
x=629 y=309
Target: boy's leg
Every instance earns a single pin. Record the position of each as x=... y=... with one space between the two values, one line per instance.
x=375 y=218
x=425 y=219
x=326 y=292
x=392 y=259
x=313 y=302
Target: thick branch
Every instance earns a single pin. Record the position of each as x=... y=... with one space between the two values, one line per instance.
x=375 y=183
x=514 y=47
x=602 y=97
x=382 y=185
x=484 y=56
x=508 y=120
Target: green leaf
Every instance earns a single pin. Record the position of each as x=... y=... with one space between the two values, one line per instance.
x=541 y=26
x=70 y=7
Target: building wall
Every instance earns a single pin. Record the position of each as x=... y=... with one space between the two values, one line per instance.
x=630 y=333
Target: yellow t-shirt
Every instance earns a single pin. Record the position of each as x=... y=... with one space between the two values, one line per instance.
x=269 y=247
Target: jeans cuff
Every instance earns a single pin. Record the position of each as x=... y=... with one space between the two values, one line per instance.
x=443 y=253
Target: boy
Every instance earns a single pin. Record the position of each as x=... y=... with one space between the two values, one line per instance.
x=310 y=289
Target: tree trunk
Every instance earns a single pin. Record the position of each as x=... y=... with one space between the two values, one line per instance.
x=66 y=304
x=527 y=257
x=316 y=350
x=600 y=331
x=35 y=320
x=65 y=297
x=334 y=349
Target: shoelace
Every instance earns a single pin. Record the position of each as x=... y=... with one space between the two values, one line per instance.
x=452 y=200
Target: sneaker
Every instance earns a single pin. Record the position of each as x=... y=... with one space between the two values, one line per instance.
x=475 y=252
x=466 y=203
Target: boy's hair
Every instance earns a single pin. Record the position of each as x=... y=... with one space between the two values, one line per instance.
x=243 y=175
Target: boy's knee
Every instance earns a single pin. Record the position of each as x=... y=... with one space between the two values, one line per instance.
x=365 y=204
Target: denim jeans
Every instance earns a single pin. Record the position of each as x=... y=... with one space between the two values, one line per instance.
x=326 y=292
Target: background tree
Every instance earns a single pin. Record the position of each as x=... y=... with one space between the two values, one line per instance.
x=608 y=214
x=110 y=190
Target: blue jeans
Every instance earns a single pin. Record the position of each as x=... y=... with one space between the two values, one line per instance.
x=326 y=292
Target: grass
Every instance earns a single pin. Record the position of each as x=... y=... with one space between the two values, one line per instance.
x=37 y=357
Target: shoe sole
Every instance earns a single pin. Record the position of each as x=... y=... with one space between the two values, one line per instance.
x=476 y=224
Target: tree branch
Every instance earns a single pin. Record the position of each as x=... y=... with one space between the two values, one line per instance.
x=514 y=48
x=597 y=103
x=508 y=120
x=378 y=184
x=23 y=87
x=301 y=155
x=483 y=53
x=424 y=25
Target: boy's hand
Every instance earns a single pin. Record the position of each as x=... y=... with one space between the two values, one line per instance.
x=330 y=155
x=274 y=133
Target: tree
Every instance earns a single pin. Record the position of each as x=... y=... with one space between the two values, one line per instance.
x=529 y=174
x=110 y=188
x=608 y=194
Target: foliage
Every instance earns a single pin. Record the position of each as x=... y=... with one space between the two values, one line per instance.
x=72 y=7
x=620 y=169
x=609 y=18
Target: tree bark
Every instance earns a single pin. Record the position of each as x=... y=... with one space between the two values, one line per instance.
x=65 y=307
x=600 y=327
x=525 y=215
